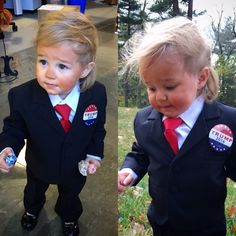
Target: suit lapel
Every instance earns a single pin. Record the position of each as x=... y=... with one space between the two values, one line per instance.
x=209 y=115
x=156 y=130
x=77 y=125
x=201 y=128
x=43 y=108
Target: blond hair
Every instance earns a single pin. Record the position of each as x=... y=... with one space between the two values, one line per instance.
x=178 y=36
x=75 y=28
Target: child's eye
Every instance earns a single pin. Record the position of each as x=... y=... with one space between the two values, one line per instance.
x=170 y=87
x=43 y=62
x=62 y=66
x=151 y=89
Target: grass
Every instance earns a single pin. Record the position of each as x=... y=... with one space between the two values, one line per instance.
x=133 y=202
x=125 y=130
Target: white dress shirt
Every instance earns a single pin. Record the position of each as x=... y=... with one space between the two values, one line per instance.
x=72 y=100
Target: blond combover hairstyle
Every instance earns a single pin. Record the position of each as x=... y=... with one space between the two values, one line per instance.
x=178 y=37
x=78 y=30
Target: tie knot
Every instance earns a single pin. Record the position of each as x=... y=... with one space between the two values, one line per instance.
x=172 y=123
x=64 y=110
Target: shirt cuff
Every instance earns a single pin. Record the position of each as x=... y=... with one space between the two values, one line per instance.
x=94 y=157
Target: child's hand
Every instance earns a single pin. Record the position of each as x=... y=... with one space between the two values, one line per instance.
x=3 y=165
x=93 y=165
x=125 y=178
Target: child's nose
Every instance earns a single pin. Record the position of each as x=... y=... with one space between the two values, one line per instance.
x=50 y=72
x=160 y=95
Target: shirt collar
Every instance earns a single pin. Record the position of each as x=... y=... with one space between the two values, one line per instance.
x=191 y=114
x=71 y=99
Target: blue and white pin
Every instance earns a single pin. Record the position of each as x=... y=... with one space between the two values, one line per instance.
x=221 y=137
x=90 y=114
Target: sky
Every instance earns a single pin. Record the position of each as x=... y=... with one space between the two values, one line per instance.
x=213 y=5
x=213 y=8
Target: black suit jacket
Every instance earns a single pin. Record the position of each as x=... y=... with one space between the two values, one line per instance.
x=188 y=190
x=51 y=154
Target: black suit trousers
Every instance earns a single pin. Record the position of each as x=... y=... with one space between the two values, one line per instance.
x=68 y=205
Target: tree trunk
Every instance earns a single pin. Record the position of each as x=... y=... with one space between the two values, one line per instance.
x=190 y=9
x=176 y=7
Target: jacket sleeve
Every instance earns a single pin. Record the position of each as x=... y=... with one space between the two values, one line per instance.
x=230 y=165
x=14 y=128
x=96 y=145
x=137 y=159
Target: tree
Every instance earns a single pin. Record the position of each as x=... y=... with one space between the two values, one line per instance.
x=132 y=16
x=170 y=8
x=224 y=35
x=226 y=69
x=129 y=19
x=225 y=48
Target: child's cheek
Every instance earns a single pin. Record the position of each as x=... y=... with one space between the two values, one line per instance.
x=152 y=100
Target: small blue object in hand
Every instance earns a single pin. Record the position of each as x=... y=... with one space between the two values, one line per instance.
x=10 y=160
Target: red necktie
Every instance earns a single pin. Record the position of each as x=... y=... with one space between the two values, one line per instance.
x=64 y=110
x=170 y=125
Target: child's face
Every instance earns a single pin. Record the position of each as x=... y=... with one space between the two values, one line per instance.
x=58 y=68
x=171 y=89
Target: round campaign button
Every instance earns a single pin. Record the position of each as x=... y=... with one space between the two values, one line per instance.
x=221 y=137
x=90 y=114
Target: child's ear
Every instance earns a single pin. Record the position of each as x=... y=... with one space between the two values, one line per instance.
x=203 y=77
x=87 y=69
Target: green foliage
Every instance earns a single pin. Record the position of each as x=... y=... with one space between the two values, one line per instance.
x=135 y=92
x=230 y=208
x=224 y=37
x=165 y=9
x=133 y=204
x=225 y=48
x=226 y=69
x=132 y=16
x=162 y=6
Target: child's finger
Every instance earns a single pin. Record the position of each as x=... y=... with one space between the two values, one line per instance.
x=121 y=177
x=7 y=164
x=97 y=164
x=6 y=152
x=120 y=188
x=4 y=170
x=94 y=162
x=4 y=167
x=92 y=169
x=128 y=180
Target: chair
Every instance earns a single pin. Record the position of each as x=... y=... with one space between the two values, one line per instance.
x=81 y=3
